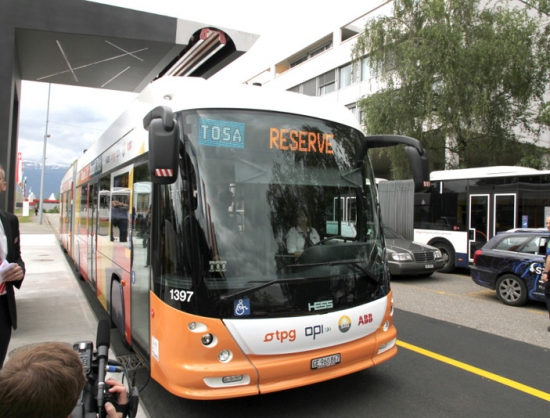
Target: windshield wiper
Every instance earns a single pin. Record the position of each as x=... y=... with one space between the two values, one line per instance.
x=354 y=263
x=267 y=284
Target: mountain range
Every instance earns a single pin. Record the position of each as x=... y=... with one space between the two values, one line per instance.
x=52 y=178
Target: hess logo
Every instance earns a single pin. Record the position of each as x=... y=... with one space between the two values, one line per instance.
x=280 y=336
x=317 y=306
x=344 y=323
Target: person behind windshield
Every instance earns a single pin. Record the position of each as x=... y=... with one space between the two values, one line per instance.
x=302 y=235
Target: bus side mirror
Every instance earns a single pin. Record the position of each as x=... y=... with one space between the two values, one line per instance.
x=417 y=155
x=163 y=145
x=420 y=168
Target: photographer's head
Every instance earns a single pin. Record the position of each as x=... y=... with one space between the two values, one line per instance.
x=43 y=381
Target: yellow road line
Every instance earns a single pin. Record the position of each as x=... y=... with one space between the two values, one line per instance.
x=483 y=373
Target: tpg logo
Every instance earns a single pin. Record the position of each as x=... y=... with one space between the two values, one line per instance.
x=280 y=336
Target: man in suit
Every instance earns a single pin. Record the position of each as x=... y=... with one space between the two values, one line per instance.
x=10 y=252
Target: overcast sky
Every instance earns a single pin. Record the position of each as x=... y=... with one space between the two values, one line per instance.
x=78 y=116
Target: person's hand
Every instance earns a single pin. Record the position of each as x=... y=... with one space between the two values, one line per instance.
x=544 y=277
x=13 y=274
x=111 y=411
x=121 y=397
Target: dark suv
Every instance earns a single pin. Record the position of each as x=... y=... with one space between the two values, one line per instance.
x=511 y=263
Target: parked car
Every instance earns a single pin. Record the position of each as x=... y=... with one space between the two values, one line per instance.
x=512 y=263
x=406 y=257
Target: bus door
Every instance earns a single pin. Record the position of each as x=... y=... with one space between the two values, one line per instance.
x=478 y=224
x=504 y=212
x=141 y=258
x=92 y=234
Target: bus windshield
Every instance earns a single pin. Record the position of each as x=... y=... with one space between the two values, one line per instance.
x=272 y=215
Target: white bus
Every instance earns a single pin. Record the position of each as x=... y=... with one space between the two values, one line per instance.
x=464 y=208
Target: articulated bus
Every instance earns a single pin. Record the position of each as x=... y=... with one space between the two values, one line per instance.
x=465 y=208
x=204 y=289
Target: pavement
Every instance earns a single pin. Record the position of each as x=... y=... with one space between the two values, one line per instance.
x=51 y=304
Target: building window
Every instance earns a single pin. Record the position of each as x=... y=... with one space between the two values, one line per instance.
x=298 y=61
x=311 y=54
x=365 y=69
x=345 y=76
x=309 y=88
x=329 y=88
x=327 y=82
x=323 y=48
x=353 y=109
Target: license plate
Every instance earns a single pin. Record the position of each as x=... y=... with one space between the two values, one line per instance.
x=429 y=266
x=319 y=363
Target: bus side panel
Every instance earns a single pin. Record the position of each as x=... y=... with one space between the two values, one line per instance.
x=458 y=240
x=81 y=253
x=81 y=233
x=181 y=363
x=126 y=278
x=64 y=224
x=113 y=261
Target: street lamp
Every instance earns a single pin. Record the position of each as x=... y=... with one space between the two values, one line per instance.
x=46 y=136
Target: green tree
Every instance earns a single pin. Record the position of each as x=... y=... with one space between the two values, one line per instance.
x=461 y=77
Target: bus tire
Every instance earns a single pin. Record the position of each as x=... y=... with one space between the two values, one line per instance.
x=511 y=290
x=448 y=254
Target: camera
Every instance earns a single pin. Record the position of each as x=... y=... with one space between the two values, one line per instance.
x=96 y=363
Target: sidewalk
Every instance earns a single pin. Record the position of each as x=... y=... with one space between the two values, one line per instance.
x=50 y=303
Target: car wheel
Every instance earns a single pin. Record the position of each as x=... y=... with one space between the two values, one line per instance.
x=511 y=290
x=448 y=254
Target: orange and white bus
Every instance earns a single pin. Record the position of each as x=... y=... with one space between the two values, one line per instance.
x=178 y=217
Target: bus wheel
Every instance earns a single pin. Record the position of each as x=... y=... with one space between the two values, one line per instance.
x=511 y=290
x=448 y=254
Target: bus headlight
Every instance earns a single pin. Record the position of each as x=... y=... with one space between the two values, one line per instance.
x=386 y=325
x=197 y=327
x=225 y=356
x=207 y=339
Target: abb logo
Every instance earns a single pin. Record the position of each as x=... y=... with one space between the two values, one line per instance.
x=365 y=319
x=280 y=336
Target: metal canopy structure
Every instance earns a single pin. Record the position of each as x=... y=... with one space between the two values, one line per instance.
x=86 y=44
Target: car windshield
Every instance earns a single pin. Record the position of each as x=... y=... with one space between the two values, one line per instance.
x=272 y=210
x=391 y=234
